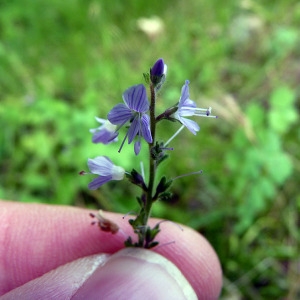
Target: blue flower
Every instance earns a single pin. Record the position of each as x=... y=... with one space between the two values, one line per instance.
x=105 y=134
x=158 y=73
x=106 y=170
x=158 y=68
x=187 y=108
x=133 y=110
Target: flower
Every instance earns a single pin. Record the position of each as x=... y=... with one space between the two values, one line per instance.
x=158 y=68
x=105 y=134
x=158 y=73
x=187 y=108
x=106 y=170
x=134 y=111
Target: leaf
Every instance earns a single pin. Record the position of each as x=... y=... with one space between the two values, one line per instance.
x=283 y=113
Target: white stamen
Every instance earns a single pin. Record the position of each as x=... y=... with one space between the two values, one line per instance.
x=201 y=112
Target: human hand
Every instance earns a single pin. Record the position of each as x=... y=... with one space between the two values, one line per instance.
x=36 y=239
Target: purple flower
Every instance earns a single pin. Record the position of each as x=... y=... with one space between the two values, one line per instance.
x=158 y=73
x=133 y=110
x=158 y=68
x=188 y=108
x=105 y=134
x=106 y=170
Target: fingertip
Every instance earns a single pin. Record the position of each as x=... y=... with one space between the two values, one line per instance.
x=195 y=257
x=135 y=273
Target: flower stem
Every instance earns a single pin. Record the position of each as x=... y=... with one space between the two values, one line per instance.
x=152 y=168
x=146 y=234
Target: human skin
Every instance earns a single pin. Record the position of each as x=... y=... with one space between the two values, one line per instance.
x=37 y=238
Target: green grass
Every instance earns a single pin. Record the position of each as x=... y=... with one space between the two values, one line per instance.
x=62 y=63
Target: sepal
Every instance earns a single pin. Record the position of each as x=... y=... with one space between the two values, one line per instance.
x=162 y=187
x=137 y=179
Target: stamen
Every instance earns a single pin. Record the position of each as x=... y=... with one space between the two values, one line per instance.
x=118 y=127
x=201 y=112
x=174 y=135
x=195 y=108
x=122 y=144
x=188 y=174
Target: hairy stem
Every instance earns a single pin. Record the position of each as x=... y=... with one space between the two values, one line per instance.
x=152 y=165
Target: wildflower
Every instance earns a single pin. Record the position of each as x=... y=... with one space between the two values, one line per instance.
x=134 y=111
x=106 y=170
x=158 y=73
x=188 y=108
x=105 y=134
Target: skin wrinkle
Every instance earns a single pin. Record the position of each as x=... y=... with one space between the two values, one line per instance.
x=4 y=236
x=75 y=237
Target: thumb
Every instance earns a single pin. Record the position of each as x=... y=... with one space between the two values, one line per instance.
x=131 y=273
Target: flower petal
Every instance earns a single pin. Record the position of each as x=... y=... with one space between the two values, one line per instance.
x=191 y=125
x=117 y=173
x=184 y=93
x=100 y=165
x=158 y=68
x=105 y=137
x=133 y=129
x=99 y=181
x=189 y=103
x=120 y=114
x=100 y=120
x=137 y=147
x=136 y=98
x=146 y=132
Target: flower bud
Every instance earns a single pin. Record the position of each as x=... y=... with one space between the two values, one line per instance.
x=158 y=73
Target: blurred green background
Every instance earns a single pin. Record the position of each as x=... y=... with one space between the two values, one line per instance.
x=64 y=62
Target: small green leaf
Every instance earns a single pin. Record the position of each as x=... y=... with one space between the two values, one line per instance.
x=283 y=113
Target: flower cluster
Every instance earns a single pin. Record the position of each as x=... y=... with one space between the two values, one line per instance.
x=137 y=114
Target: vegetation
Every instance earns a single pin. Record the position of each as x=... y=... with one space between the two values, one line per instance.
x=64 y=62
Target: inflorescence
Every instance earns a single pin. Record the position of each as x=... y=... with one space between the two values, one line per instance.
x=138 y=115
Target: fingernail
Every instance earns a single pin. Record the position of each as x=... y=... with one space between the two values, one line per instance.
x=134 y=273
x=131 y=273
